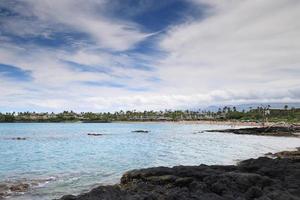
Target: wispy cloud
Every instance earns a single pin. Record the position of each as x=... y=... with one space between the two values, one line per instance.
x=240 y=45
x=109 y=55
x=46 y=18
x=104 y=84
x=14 y=73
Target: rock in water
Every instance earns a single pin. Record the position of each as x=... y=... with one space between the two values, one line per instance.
x=140 y=131
x=19 y=138
x=289 y=131
x=4 y=189
x=94 y=134
x=286 y=154
x=21 y=187
x=262 y=179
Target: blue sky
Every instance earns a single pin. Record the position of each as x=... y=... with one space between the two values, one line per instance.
x=105 y=55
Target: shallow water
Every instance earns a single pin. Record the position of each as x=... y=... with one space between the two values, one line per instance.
x=60 y=158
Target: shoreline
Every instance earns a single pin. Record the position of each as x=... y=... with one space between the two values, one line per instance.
x=25 y=187
x=19 y=187
x=273 y=176
x=229 y=123
x=232 y=123
x=212 y=122
x=278 y=131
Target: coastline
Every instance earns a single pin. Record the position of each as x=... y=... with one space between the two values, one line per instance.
x=274 y=176
x=232 y=123
x=211 y=122
x=278 y=131
x=228 y=122
x=291 y=154
x=25 y=187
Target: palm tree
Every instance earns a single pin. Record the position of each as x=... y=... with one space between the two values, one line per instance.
x=234 y=109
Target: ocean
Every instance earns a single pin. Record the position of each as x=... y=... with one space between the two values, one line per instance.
x=61 y=158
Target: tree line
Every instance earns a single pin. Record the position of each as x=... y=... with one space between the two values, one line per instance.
x=258 y=114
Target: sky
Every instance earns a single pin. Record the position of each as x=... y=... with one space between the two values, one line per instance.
x=108 y=55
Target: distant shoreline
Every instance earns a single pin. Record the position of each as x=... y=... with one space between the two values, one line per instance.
x=212 y=122
x=226 y=115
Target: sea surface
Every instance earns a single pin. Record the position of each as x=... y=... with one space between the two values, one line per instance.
x=60 y=158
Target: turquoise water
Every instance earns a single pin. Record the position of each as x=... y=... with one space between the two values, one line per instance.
x=60 y=158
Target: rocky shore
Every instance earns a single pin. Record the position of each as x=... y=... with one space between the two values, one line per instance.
x=286 y=154
x=9 y=189
x=287 y=131
x=261 y=179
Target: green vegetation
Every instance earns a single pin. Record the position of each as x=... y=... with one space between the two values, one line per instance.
x=262 y=114
x=259 y=114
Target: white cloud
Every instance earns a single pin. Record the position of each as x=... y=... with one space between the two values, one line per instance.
x=241 y=45
x=45 y=17
x=241 y=52
x=72 y=100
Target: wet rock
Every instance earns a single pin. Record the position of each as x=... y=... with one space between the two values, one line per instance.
x=198 y=132
x=289 y=131
x=11 y=188
x=183 y=182
x=19 y=138
x=262 y=179
x=140 y=131
x=69 y=197
x=286 y=154
x=20 y=187
x=3 y=190
x=94 y=134
x=253 y=193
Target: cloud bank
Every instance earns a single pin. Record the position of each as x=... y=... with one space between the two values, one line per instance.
x=90 y=56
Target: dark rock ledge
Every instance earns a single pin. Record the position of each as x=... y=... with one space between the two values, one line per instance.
x=288 y=131
x=261 y=179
